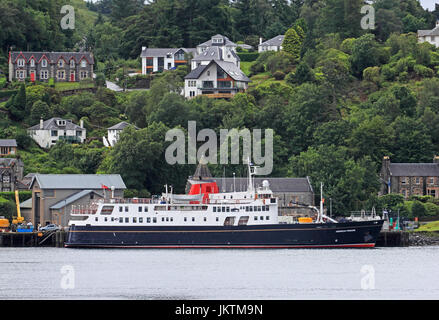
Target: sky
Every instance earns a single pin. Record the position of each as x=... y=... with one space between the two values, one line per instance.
x=429 y=4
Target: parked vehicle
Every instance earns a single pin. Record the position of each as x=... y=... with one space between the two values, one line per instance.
x=49 y=227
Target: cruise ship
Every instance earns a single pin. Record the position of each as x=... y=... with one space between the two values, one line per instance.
x=207 y=218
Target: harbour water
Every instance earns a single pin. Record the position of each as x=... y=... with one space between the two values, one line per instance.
x=378 y=274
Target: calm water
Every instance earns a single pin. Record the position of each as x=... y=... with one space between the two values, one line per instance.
x=399 y=273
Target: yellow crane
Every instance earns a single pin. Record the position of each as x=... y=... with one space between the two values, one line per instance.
x=18 y=219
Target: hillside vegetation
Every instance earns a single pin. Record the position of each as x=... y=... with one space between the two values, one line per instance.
x=338 y=98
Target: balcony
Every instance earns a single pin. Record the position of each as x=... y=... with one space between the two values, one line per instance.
x=218 y=95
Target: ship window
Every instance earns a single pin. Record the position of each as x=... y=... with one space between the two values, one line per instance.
x=217 y=219
x=146 y=209
x=105 y=219
x=205 y=219
x=246 y=208
x=255 y=208
x=134 y=219
x=266 y=208
x=140 y=209
x=172 y=219
x=148 y=220
x=120 y=220
x=218 y=209
x=120 y=209
x=224 y=209
x=167 y=219
x=228 y=209
x=154 y=220
x=185 y=219
x=251 y=208
x=140 y=220
x=267 y=218
x=193 y=219
x=96 y=219
x=163 y=219
x=256 y=218
x=127 y=220
x=126 y=208
x=214 y=209
x=261 y=218
x=259 y=208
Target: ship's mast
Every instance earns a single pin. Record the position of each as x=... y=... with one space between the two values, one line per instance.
x=321 y=203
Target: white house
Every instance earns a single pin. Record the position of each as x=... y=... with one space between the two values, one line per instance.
x=217 y=79
x=114 y=132
x=160 y=59
x=431 y=36
x=48 y=132
x=217 y=48
x=274 y=44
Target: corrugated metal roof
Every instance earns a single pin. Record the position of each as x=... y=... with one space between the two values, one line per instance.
x=78 y=181
x=27 y=204
x=277 y=185
x=69 y=200
x=414 y=169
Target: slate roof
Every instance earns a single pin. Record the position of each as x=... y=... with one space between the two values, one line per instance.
x=67 y=201
x=8 y=143
x=227 y=42
x=211 y=53
x=196 y=73
x=276 y=41
x=51 y=124
x=229 y=67
x=78 y=181
x=433 y=32
x=277 y=185
x=162 y=52
x=414 y=169
x=53 y=56
x=26 y=204
x=121 y=125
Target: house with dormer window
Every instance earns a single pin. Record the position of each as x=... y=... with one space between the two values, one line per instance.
x=431 y=36
x=41 y=66
x=47 y=133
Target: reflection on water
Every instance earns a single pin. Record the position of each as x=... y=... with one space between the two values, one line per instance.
x=54 y=273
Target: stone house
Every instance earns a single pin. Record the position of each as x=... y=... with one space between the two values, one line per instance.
x=41 y=66
x=410 y=178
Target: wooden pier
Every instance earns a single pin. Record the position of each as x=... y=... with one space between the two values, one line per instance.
x=33 y=239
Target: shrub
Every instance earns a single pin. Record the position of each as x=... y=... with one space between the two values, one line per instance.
x=10 y=195
x=279 y=75
x=257 y=68
x=423 y=71
x=2 y=82
x=431 y=209
x=280 y=61
x=7 y=208
x=418 y=209
x=248 y=56
x=388 y=72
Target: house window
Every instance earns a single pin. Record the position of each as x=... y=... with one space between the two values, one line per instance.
x=44 y=63
x=83 y=74
x=61 y=74
x=83 y=64
x=54 y=133
x=403 y=180
x=72 y=63
x=431 y=180
x=404 y=193
x=20 y=74
x=44 y=74
x=32 y=63
x=20 y=62
x=78 y=133
x=61 y=63
x=49 y=193
x=418 y=180
x=6 y=179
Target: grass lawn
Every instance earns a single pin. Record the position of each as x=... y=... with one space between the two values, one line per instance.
x=245 y=67
x=63 y=86
x=431 y=226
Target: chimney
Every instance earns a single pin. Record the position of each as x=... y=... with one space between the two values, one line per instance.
x=143 y=48
x=437 y=23
x=41 y=124
x=260 y=40
x=81 y=123
x=436 y=159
